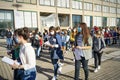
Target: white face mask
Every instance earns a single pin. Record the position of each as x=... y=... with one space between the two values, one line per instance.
x=52 y=33
x=99 y=32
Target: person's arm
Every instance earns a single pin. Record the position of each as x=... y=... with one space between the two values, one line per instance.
x=88 y=46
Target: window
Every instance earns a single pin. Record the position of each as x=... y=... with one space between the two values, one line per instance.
x=87 y=20
x=104 y=21
x=6 y=0
x=106 y=9
x=88 y=6
x=97 y=21
x=118 y=22
x=113 y=1
x=76 y=4
x=97 y=8
x=112 y=22
x=47 y=2
x=106 y=0
x=25 y=19
x=76 y=19
x=28 y=1
x=63 y=3
x=118 y=10
x=112 y=10
x=6 y=19
x=118 y=1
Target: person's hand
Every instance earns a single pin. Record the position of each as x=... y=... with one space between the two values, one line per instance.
x=14 y=66
x=52 y=46
x=78 y=47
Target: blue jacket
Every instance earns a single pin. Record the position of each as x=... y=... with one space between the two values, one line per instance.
x=56 y=53
x=59 y=39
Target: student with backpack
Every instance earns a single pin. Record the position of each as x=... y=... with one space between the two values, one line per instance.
x=98 y=45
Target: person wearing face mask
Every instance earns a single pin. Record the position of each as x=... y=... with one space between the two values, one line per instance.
x=98 y=45
x=82 y=50
x=27 y=60
x=55 y=50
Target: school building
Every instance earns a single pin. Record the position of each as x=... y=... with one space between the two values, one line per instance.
x=63 y=13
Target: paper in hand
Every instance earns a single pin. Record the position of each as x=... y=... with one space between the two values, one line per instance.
x=9 y=61
x=47 y=43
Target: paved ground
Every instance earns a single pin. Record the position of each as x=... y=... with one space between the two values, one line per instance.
x=110 y=66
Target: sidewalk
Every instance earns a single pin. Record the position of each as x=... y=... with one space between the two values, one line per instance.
x=110 y=70
x=45 y=68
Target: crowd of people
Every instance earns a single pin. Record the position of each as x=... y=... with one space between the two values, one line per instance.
x=83 y=42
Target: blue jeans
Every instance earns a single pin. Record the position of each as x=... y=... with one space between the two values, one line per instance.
x=9 y=41
x=56 y=66
x=38 y=51
x=26 y=74
x=85 y=67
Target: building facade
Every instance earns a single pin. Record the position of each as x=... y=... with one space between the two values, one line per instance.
x=63 y=13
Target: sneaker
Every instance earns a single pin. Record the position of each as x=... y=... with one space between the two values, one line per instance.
x=54 y=78
x=61 y=64
x=59 y=70
x=99 y=67
x=96 y=70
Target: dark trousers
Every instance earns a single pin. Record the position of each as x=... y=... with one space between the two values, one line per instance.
x=114 y=40
x=85 y=67
x=55 y=64
x=97 y=59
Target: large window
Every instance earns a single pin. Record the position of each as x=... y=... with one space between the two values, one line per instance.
x=6 y=19
x=76 y=19
x=97 y=8
x=25 y=19
x=112 y=22
x=88 y=6
x=47 y=2
x=76 y=4
x=106 y=9
x=97 y=21
x=63 y=3
x=112 y=10
x=28 y=1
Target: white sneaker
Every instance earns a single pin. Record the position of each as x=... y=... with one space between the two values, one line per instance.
x=54 y=78
x=59 y=70
x=99 y=67
x=61 y=64
x=96 y=70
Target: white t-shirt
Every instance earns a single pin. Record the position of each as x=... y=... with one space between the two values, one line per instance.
x=27 y=56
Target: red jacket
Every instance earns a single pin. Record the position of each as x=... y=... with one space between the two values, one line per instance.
x=41 y=42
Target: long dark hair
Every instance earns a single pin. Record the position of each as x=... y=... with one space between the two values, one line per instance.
x=85 y=32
